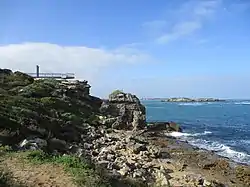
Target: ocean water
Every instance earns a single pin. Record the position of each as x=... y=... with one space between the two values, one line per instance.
x=223 y=127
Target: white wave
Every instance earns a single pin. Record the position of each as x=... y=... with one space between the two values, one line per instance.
x=201 y=134
x=181 y=134
x=178 y=134
x=242 y=103
x=191 y=104
x=222 y=150
x=245 y=141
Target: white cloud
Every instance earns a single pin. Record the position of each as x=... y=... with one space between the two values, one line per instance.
x=179 y=30
x=85 y=62
x=188 y=19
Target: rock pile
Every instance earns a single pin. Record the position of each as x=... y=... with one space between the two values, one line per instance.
x=124 y=155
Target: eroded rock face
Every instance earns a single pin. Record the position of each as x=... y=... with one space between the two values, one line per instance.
x=125 y=110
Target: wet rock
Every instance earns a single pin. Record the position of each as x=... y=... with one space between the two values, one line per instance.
x=172 y=126
x=157 y=126
x=164 y=126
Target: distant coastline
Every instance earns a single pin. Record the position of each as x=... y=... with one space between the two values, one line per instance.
x=185 y=99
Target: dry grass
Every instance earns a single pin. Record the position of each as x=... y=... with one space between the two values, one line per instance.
x=35 y=168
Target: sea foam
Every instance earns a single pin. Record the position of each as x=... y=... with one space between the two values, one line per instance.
x=219 y=148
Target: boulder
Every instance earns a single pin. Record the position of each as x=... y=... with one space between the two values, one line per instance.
x=172 y=126
x=164 y=126
x=126 y=109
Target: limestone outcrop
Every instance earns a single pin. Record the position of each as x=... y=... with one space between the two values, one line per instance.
x=124 y=111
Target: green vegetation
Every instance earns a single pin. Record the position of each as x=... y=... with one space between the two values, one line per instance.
x=27 y=105
x=116 y=92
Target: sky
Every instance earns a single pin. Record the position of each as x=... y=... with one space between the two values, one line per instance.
x=191 y=48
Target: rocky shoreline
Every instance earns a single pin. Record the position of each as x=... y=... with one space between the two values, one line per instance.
x=185 y=99
x=61 y=117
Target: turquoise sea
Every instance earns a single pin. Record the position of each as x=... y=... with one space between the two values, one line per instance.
x=223 y=127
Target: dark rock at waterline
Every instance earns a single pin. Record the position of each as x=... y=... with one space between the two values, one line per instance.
x=164 y=126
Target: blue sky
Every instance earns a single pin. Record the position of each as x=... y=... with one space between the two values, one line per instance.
x=193 y=48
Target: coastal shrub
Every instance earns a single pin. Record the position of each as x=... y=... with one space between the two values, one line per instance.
x=23 y=76
x=9 y=80
x=36 y=90
x=116 y=92
x=15 y=90
x=72 y=118
x=93 y=119
x=40 y=88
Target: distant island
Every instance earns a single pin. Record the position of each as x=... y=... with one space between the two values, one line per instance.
x=185 y=99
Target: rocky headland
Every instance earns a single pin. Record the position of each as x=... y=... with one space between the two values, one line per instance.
x=185 y=99
x=60 y=117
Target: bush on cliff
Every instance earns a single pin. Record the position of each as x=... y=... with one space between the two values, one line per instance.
x=116 y=92
x=9 y=80
x=28 y=105
x=40 y=88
